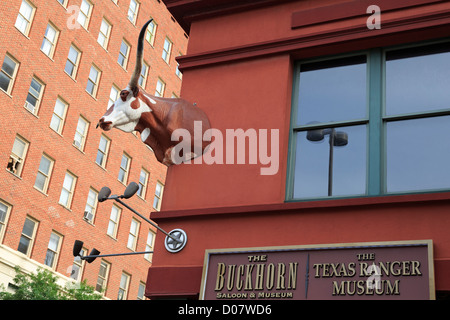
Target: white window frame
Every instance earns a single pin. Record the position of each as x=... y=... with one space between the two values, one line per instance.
x=134 y=234
x=46 y=175
x=101 y=287
x=83 y=15
x=23 y=23
x=151 y=32
x=53 y=251
x=16 y=161
x=113 y=223
x=58 y=119
x=143 y=75
x=91 y=206
x=103 y=38
x=94 y=80
x=167 y=50
x=113 y=95
x=142 y=191
x=125 y=169
x=36 y=95
x=103 y=152
x=132 y=15
x=78 y=266
x=79 y=139
x=48 y=40
x=149 y=245
x=160 y=88
x=4 y=217
x=158 y=198
x=31 y=237
x=69 y=190
x=75 y=63
x=123 y=286
x=125 y=55
x=12 y=78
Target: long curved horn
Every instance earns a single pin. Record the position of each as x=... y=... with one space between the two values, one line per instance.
x=139 y=57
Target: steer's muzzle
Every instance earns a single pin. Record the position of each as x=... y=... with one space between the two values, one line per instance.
x=104 y=125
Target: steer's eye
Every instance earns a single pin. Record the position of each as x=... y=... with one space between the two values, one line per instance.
x=124 y=94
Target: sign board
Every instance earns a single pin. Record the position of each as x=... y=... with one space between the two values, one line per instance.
x=382 y=270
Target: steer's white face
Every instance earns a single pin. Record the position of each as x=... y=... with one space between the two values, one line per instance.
x=125 y=113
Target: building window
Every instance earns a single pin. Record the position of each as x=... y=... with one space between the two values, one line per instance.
x=143 y=179
x=8 y=74
x=104 y=34
x=25 y=17
x=102 y=152
x=124 y=168
x=5 y=209
x=85 y=14
x=123 y=287
x=68 y=189
x=93 y=81
x=54 y=245
x=133 y=11
x=63 y=2
x=78 y=265
x=133 y=235
x=59 y=115
x=113 y=221
x=102 y=278
x=34 y=96
x=151 y=33
x=91 y=206
x=81 y=133
x=143 y=76
x=368 y=121
x=141 y=291
x=177 y=70
x=17 y=157
x=27 y=238
x=160 y=88
x=113 y=95
x=167 y=48
x=72 y=61
x=50 y=38
x=158 y=196
x=149 y=245
x=123 y=54
x=44 y=173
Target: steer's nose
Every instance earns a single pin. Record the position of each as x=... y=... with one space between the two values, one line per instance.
x=105 y=125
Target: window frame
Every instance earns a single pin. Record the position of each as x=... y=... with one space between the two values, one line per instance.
x=38 y=97
x=74 y=63
x=95 y=83
x=106 y=36
x=376 y=121
x=159 y=197
x=56 y=252
x=160 y=82
x=125 y=56
x=91 y=206
x=31 y=238
x=83 y=135
x=26 y=32
x=133 y=236
x=126 y=171
x=122 y=293
x=114 y=223
x=142 y=191
x=104 y=153
x=167 y=53
x=135 y=13
x=150 y=246
x=46 y=175
x=4 y=223
x=70 y=192
x=62 y=119
x=87 y=16
x=12 y=78
x=104 y=278
x=19 y=158
x=55 y=41
x=150 y=34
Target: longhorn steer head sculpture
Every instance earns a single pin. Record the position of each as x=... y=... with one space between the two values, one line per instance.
x=156 y=118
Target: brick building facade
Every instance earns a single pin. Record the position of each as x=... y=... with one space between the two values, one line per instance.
x=63 y=62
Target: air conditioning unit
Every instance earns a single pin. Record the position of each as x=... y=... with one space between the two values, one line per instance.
x=88 y=216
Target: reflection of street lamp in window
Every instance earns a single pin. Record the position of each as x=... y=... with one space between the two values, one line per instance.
x=337 y=139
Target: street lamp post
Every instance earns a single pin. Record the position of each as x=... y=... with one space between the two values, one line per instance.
x=175 y=240
x=336 y=139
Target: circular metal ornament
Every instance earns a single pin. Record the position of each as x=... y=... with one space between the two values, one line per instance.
x=176 y=246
